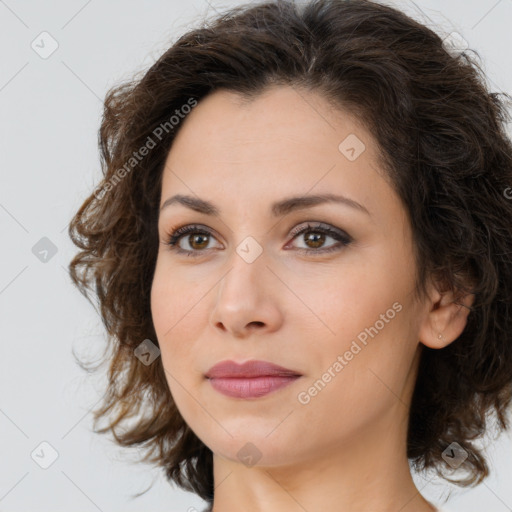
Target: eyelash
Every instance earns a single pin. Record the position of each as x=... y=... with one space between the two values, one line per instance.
x=174 y=237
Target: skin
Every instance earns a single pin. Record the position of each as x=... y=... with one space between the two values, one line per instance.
x=346 y=448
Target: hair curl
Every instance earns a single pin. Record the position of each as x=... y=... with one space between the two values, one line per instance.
x=442 y=143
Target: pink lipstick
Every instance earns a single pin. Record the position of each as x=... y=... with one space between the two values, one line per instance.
x=253 y=379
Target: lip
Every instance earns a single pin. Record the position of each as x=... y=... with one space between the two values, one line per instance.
x=252 y=379
x=250 y=369
x=255 y=387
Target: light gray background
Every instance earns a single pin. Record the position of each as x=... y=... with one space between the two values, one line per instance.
x=50 y=113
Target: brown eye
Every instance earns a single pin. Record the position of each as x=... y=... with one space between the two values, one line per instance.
x=314 y=237
x=317 y=239
x=197 y=240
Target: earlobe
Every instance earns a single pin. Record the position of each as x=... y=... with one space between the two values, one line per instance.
x=446 y=320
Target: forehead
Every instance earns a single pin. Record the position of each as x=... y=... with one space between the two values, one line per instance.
x=285 y=141
x=278 y=118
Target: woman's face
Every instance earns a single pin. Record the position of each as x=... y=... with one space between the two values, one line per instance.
x=248 y=287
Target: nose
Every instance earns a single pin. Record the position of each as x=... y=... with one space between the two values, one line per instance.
x=247 y=299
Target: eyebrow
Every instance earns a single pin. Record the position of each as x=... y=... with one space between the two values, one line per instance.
x=279 y=208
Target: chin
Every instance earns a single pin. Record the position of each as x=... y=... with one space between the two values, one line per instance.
x=253 y=443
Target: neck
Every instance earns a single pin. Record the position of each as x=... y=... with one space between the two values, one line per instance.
x=371 y=472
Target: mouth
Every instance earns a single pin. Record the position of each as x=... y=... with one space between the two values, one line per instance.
x=253 y=379
x=250 y=369
x=255 y=387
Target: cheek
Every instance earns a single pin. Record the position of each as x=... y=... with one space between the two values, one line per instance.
x=171 y=297
x=178 y=315
x=167 y=308
x=367 y=321
x=344 y=304
x=162 y=303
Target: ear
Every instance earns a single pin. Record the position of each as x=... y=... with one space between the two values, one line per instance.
x=446 y=318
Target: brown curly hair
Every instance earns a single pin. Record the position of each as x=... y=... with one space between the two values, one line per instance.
x=442 y=141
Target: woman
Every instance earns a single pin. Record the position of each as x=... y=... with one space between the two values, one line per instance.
x=302 y=252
